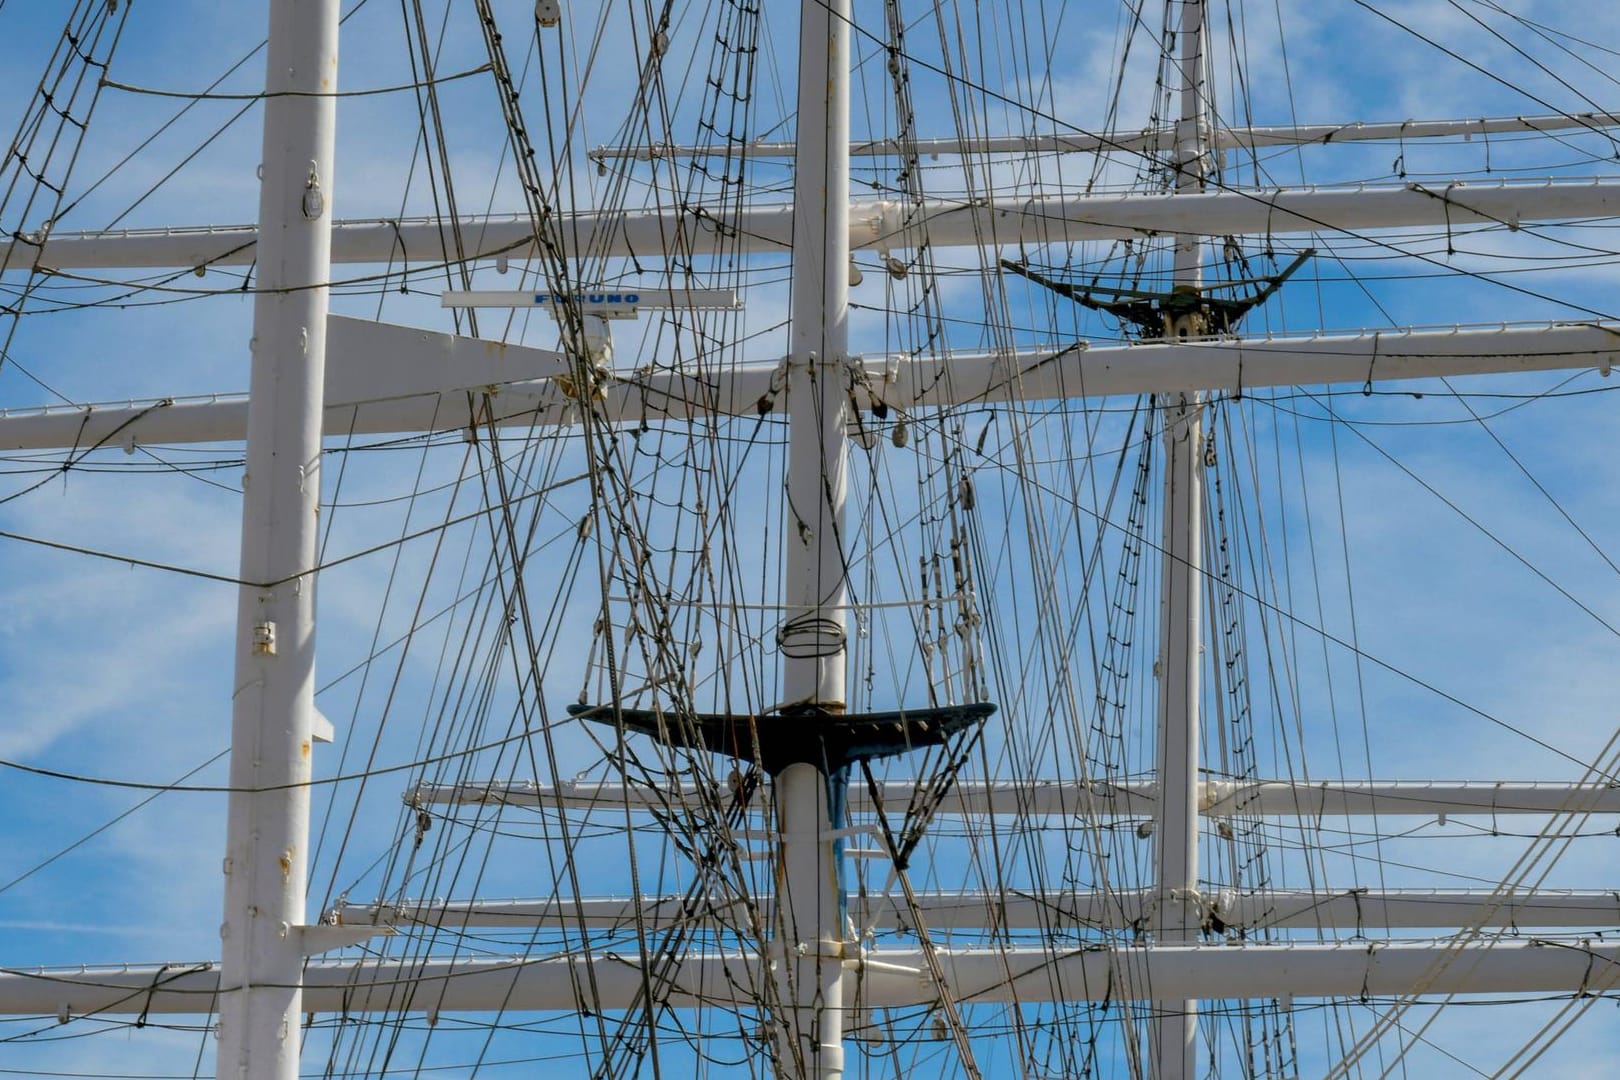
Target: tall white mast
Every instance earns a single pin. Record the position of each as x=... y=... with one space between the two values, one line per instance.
x=1175 y=1029
x=809 y=925
x=272 y=724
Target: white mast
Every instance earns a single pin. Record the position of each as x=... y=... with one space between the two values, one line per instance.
x=1175 y=1028
x=809 y=947
x=263 y=938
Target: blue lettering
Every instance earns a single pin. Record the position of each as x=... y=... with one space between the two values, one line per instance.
x=595 y=299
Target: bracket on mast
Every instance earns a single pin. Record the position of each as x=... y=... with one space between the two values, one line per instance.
x=324 y=937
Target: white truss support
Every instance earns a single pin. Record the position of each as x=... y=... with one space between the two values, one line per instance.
x=1269 y=798
x=375 y=361
x=323 y=937
x=1149 y=141
x=1064 y=911
x=880 y=225
x=373 y=371
x=881 y=979
x=441 y=365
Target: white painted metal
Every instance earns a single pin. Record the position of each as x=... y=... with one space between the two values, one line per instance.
x=367 y=363
x=817 y=398
x=1176 y=917
x=1232 y=365
x=808 y=932
x=1175 y=814
x=1361 y=910
x=1337 y=798
x=807 y=943
x=1263 y=798
x=881 y=225
x=618 y=302
x=267 y=843
x=373 y=361
x=880 y=979
x=1234 y=138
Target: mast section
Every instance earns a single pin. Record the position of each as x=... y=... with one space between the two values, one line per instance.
x=1175 y=1027
x=263 y=938
x=808 y=951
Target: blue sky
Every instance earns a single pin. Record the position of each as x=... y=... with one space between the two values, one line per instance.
x=121 y=672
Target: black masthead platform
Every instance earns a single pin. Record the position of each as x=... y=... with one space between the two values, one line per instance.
x=805 y=734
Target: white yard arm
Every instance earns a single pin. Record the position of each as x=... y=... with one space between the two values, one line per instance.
x=879 y=225
x=881 y=979
x=1233 y=138
x=1269 y=798
x=1423 y=798
x=965 y=797
x=1356 y=909
x=386 y=379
